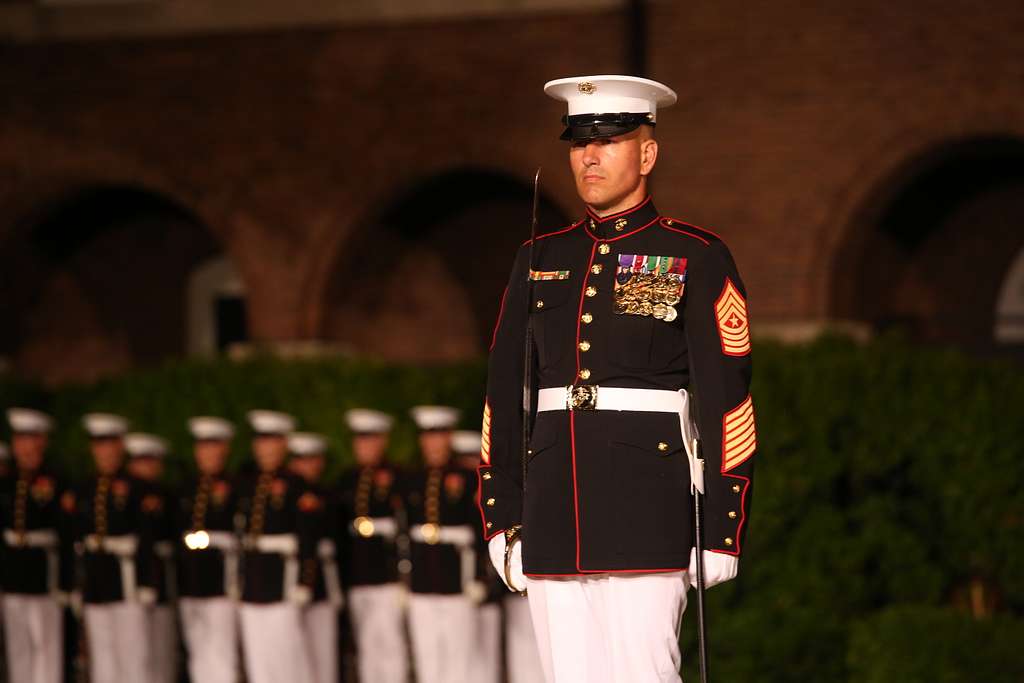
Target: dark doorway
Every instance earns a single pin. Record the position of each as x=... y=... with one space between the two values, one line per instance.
x=929 y=253
x=422 y=280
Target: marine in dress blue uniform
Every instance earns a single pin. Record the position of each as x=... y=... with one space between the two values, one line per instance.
x=635 y=316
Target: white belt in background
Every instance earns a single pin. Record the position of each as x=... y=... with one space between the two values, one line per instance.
x=286 y=545
x=462 y=537
x=123 y=547
x=42 y=539
x=589 y=397
x=384 y=527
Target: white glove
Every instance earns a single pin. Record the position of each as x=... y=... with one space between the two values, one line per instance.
x=300 y=595
x=496 y=549
x=718 y=568
x=146 y=596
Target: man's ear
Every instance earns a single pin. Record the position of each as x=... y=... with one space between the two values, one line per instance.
x=648 y=156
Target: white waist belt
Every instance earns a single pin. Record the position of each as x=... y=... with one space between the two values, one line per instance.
x=282 y=544
x=452 y=535
x=36 y=538
x=635 y=400
x=43 y=539
x=218 y=540
x=123 y=546
x=382 y=526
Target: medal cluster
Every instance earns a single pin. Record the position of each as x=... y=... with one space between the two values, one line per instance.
x=650 y=294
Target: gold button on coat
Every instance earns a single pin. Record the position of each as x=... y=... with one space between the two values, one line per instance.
x=584 y=374
x=584 y=345
x=728 y=541
x=591 y=291
x=596 y=268
x=604 y=249
x=587 y=318
x=662 y=446
x=486 y=475
x=732 y=514
x=540 y=303
x=490 y=502
x=735 y=488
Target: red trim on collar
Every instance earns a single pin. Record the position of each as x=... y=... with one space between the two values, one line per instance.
x=619 y=237
x=605 y=219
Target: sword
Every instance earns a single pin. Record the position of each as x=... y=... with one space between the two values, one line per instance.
x=698 y=528
x=512 y=535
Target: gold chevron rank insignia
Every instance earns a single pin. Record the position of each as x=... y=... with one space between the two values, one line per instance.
x=731 y=312
x=739 y=436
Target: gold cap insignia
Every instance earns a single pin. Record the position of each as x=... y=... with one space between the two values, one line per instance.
x=586 y=88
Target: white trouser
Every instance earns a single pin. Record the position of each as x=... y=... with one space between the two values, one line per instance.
x=609 y=628
x=441 y=627
x=273 y=644
x=485 y=666
x=33 y=628
x=520 y=642
x=210 y=627
x=163 y=644
x=118 y=637
x=320 y=631
x=377 y=623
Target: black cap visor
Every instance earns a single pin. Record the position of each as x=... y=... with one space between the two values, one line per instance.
x=595 y=126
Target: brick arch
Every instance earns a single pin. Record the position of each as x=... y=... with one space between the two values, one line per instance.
x=436 y=255
x=96 y=279
x=928 y=245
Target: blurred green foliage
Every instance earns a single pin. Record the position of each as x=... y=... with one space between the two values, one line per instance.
x=889 y=481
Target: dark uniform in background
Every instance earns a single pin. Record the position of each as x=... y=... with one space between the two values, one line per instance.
x=369 y=508
x=444 y=550
x=207 y=565
x=626 y=310
x=113 y=526
x=279 y=547
x=32 y=558
x=146 y=453
x=320 y=616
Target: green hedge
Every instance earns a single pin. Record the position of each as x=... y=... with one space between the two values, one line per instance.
x=888 y=478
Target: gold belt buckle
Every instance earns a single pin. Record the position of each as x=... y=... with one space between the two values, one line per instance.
x=583 y=397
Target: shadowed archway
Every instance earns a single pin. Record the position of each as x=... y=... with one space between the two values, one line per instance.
x=928 y=253
x=421 y=280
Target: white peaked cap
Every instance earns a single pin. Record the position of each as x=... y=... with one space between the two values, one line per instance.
x=610 y=94
x=28 y=420
x=434 y=417
x=4 y=453
x=306 y=443
x=271 y=422
x=467 y=441
x=366 y=421
x=100 y=425
x=142 y=445
x=212 y=428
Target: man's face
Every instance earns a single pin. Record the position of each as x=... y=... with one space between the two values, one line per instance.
x=28 y=450
x=608 y=170
x=107 y=454
x=270 y=451
x=146 y=469
x=369 y=448
x=309 y=467
x=211 y=456
x=436 y=447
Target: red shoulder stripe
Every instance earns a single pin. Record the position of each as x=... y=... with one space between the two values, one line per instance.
x=556 y=232
x=663 y=224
